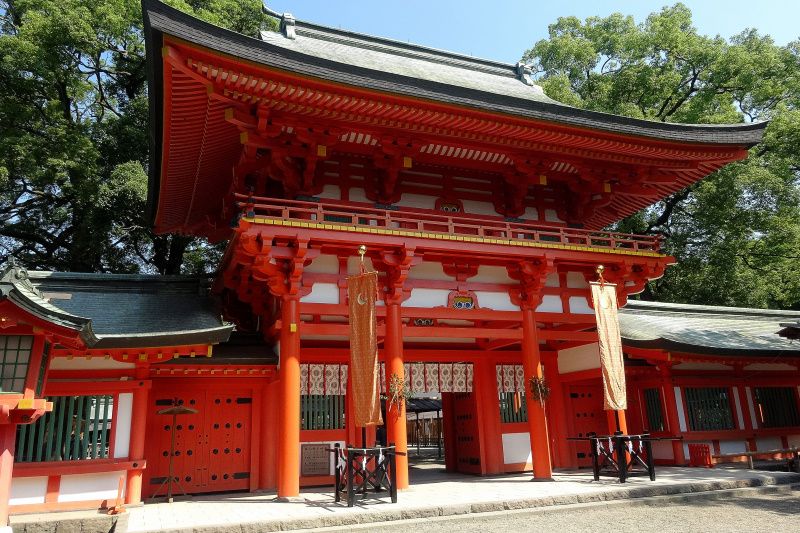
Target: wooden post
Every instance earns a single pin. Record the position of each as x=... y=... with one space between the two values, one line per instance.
x=133 y=493
x=8 y=434
x=673 y=419
x=557 y=408
x=268 y=476
x=396 y=417
x=537 y=421
x=289 y=427
x=488 y=403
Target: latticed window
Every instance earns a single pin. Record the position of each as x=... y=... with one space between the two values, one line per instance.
x=776 y=406
x=322 y=411
x=15 y=355
x=78 y=428
x=653 y=409
x=709 y=408
x=513 y=407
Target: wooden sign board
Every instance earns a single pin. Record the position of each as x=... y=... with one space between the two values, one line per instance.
x=315 y=460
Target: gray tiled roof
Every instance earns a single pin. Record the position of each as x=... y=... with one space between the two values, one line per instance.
x=706 y=329
x=389 y=66
x=132 y=310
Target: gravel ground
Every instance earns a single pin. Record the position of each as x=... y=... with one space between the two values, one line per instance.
x=740 y=510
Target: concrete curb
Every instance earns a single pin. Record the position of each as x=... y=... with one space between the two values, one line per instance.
x=627 y=495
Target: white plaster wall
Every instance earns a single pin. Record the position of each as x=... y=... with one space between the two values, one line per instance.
x=662 y=450
x=731 y=446
x=122 y=424
x=428 y=270
x=579 y=306
x=552 y=280
x=329 y=443
x=738 y=405
x=417 y=200
x=702 y=366
x=768 y=443
x=492 y=274
x=471 y=207
x=427 y=298
x=584 y=357
x=551 y=303
x=681 y=414
x=442 y=340
x=499 y=301
x=516 y=448
x=82 y=487
x=576 y=280
x=322 y=293
x=771 y=366
x=332 y=192
x=28 y=490
x=81 y=363
x=550 y=215
x=323 y=264
x=358 y=195
x=531 y=213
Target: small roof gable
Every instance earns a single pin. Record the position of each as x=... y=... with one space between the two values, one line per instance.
x=16 y=287
x=706 y=329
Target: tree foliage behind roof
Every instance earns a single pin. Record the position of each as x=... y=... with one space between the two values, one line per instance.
x=73 y=134
x=736 y=234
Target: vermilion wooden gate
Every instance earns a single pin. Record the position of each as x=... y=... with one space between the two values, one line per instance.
x=586 y=405
x=212 y=447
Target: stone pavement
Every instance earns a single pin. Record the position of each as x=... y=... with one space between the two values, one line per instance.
x=432 y=494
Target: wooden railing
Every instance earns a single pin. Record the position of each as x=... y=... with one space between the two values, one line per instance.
x=447 y=224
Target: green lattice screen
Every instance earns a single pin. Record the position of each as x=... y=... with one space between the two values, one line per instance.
x=777 y=406
x=15 y=354
x=655 y=415
x=322 y=411
x=513 y=407
x=78 y=428
x=709 y=408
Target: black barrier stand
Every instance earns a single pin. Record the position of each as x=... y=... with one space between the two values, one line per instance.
x=356 y=470
x=622 y=455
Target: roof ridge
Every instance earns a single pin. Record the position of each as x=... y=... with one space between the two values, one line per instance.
x=344 y=34
x=713 y=309
x=103 y=276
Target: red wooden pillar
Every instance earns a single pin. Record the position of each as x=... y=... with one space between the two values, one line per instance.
x=557 y=414
x=396 y=418
x=289 y=425
x=268 y=471
x=8 y=437
x=612 y=422
x=537 y=421
x=488 y=402
x=139 y=415
x=672 y=415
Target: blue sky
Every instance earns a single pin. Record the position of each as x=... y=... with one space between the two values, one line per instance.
x=504 y=29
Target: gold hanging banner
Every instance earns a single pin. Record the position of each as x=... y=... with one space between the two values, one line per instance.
x=362 y=291
x=604 y=296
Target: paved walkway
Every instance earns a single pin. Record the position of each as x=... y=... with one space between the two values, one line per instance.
x=432 y=494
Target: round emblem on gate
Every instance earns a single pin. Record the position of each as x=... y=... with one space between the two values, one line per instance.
x=360 y=299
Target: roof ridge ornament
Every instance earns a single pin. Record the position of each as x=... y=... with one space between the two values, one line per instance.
x=524 y=73
x=287 y=26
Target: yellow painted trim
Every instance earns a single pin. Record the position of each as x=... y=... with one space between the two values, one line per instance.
x=446 y=236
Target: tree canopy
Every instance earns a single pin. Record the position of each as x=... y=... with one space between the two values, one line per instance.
x=735 y=234
x=73 y=144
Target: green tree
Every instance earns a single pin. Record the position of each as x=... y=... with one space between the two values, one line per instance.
x=73 y=123
x=735 y=234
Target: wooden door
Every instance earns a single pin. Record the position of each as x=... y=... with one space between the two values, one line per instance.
x=586 y=407
x=212 y=446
